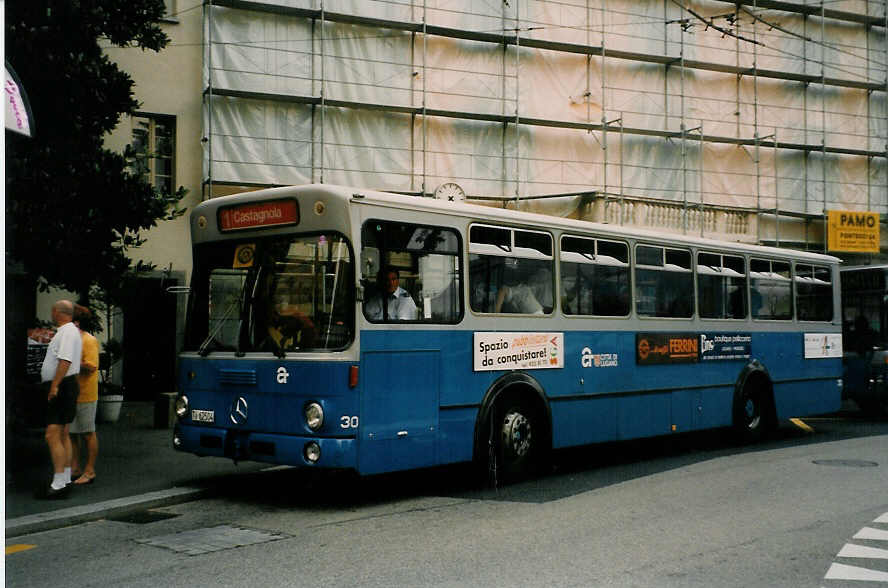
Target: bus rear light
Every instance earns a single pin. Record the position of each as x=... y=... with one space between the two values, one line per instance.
x=312 y=452
x=353 y=376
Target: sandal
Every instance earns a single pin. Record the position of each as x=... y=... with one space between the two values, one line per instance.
x=84 y=480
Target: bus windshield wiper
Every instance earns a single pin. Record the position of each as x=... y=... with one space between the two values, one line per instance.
x=207 y=344
x=248 y=295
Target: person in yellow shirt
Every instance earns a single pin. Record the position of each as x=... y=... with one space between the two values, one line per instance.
x=84 y=425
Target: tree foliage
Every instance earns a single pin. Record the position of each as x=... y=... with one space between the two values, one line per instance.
x=74 y=209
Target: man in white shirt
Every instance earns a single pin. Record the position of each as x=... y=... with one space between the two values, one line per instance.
x=398 y=306
x=59 y=376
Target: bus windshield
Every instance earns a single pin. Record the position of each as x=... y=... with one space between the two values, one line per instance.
x=280 y=294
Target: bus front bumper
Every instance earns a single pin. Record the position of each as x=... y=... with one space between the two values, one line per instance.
x=240 y=445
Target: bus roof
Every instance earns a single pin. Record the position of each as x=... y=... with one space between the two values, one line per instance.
x=875 y=266
x=514 y=217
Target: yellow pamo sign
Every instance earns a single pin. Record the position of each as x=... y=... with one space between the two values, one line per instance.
x=853 y=231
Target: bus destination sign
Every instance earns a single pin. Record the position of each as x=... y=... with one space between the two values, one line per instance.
x=258 y=215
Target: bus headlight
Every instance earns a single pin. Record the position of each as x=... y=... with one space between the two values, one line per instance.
x=181 y=406
x=314 y=416
x=312 y=452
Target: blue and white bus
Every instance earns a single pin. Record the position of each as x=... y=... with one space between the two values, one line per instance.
x=330 y=327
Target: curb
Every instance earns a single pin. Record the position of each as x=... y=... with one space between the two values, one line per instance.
x=76 y=515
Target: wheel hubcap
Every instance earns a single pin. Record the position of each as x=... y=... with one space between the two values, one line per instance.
x=517 y=436
x=752 y=416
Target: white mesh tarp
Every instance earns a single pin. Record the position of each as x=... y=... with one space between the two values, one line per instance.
x=341 y=102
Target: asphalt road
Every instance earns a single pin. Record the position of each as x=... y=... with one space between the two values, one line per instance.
x=806 y=508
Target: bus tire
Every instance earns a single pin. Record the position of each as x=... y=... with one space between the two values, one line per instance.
x=513 y=407
x=753 y=409
x=519 y=438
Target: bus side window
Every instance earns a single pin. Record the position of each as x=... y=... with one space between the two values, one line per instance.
x=664 y=282
x=426 y=264
x=813 y=293
x=770 y=289
x=721 y=286
x=439 y=294
x=510 y=270
x=594 y=277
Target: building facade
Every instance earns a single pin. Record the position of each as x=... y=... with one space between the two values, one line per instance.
x=742 y=121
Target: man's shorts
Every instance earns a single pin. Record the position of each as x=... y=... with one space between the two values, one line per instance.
x=62 y=409
x=85 y=421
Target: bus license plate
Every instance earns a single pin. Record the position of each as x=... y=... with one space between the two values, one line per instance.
x=203 y=416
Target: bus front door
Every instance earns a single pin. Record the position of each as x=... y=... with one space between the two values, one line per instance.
x=399 y=410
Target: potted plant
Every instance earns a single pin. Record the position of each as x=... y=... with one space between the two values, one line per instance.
x=110 y=394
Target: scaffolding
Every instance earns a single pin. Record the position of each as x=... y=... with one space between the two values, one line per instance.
x=691 y=200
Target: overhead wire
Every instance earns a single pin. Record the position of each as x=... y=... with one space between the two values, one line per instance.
x=727 y=32
x=809 y=39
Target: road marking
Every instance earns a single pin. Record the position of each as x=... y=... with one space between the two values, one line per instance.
x=18 y=547
x=843 y=572
x=851 y=550
x=838 y=571
x=870 y=533
x=802 y=425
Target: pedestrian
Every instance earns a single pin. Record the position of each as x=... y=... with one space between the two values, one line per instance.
x=58 y=375
x=84 y=425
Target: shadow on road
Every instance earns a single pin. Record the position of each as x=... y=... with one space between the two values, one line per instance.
x=573 y=471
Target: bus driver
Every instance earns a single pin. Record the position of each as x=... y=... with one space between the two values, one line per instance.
x=399 y=305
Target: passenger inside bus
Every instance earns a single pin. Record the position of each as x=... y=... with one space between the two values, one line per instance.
x=289 y=330
x=518 y=297
x=286 y=327
x=398 y=304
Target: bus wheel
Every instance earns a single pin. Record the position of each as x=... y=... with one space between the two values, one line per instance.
x=519 y=440
x=752 y=412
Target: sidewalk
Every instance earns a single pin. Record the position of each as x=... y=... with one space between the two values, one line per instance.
x=137 y=469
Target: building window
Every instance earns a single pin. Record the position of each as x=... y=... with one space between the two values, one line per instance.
x=154 y=143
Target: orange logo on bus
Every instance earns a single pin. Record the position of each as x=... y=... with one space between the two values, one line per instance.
x=644 y=349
